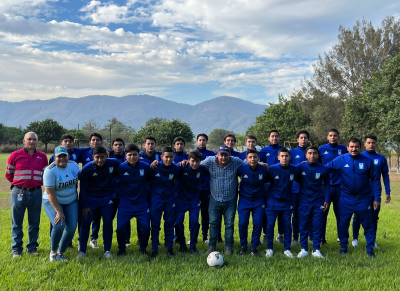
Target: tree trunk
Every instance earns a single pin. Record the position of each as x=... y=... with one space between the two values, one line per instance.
x=45 y=148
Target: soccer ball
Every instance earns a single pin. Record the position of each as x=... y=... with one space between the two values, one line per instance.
x=215 y=259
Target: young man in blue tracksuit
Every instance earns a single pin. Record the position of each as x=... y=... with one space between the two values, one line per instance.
x=132 y=182
x=96 y=193
x=298 y=156
x=162 y=200
x=269 y=155
x=230 y=141
x=328 y=153
x=382 y=170
x=179 y=150
x=251 y=143
x=313 y=200
x=251 y=199
x=280 y=200
x=188 y=200
x=358 y=177
x=204 y=187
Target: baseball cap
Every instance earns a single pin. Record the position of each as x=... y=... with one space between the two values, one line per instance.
x=60 y=150
x=223 y=149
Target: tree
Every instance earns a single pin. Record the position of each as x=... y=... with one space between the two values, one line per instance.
x=2 y=131
x=216 y=137
x=76 y=133
x=117 y=128
x=155 y=121
x=285 y=116
x=13 y=135
x=47 y=130
x=90 y=127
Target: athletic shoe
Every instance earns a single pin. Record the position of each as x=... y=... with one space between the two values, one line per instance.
x=269 y=253
x=53 y=257
x=295 y=242
x=338 y=239
x=376 y=245
x=193 y=251
x=210 y=250
x=121 y=253
x=170 y=253
x=228 y=251
x=128 y=245
x=354 y=243
x=303 y=253
x=61 y=258
x=33 y=252
x=371 y=254
x=107 y=255
x=94 y=244
x=16 y=255
x=188 y=243
x=80 y=255
x=317 y=254
x=255 y=253
x=288 y=254
x=264 y=239
x=206 y=241
x=243 y=252
x=342 y=252
x=153 y=256
x=182 y=250
x=279 y=239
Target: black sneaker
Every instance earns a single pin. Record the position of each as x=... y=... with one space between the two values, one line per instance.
x=182 y=250
x=371 y=254
x=210 y=250
x=243 y=252
x=121 y=253
x=170 y=253
x=342 y=252
x=323 y=241
x=154 y=255
x=193 y=251
x=255 y=253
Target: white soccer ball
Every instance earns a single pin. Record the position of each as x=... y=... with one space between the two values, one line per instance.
x=215 y=259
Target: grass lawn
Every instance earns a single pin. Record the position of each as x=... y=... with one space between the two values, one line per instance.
x=185 y=272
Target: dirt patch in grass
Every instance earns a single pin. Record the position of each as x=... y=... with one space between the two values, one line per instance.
x=394 y=177
x=5 y=202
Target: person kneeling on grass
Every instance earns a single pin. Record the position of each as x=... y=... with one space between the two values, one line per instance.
x=314 y=199
x=96 y=193
x=60 y=201
x=251 y=199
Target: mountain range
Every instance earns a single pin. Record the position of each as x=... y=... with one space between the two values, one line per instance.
x=134 y=110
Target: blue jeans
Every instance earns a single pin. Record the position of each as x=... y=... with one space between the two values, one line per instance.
x=216 y=210
x=33 y=202
x=71 y=220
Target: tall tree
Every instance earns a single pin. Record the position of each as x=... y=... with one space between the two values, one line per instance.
x=115 y=128
x=2 y=131
x=47 y=130
x=155 y=121
x=90 y=127
x=216 y=137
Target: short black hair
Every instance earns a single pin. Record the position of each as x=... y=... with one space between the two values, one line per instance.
x=303 y=131
x=99 y=150
x=167 y=150
x=196 y=155
x=179 y=138
x=371 y=136
x=150 y=138
x=274 y=130
x=97 y=135
x=67 y=136
x=251 y=136
x=203 y=135
x=334 y=130
x=355 y=140
x=283 y=150
x=230 y=135
x=251 y=151
x=312 y=148
x=132 y=147
x=118 y=139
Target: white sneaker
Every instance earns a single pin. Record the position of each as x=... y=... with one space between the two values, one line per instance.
x=288 y=254
x=354 y=243
x=295 y=242
x=188 y=243
x=53 y=257
x=94 y=244
x=317 y=254
x=303 y=253
x=269 y=253
x=376 y=245
x=80 y=255
x=338 y=239
x=107 y=255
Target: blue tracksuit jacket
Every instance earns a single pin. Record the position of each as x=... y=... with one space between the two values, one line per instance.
x=180 y=156
x=235 y=154
x=74 y=154
x=314 y=184
x=252 y=182
x=381 y=168
x=120 y=158
x=297 y=156
x=356 y=175
x=162 y=186
x=145 y=158
x=328 y=153
x=189 y=182
x=205 y=182
x=97 y=182
x=270 y=154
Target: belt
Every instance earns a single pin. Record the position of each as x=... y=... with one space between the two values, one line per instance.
x=27 y=189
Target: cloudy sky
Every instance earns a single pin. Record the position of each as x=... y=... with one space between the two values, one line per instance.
x=185 y=51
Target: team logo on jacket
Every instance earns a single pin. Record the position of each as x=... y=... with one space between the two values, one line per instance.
x=141 y=158
x=361 y=166
x=322 y=207
x=260 y=177
x=339 y=152
x=376 y=161
x=171 y=176
x=74 y=156
x=111 y=169
x=126 y=174
x=141 y=171
x=276 y=177
x=347 y=166
x=304 y=173
x=291 y=177
x=317 y=176
x=198 y=175
x=245 y=176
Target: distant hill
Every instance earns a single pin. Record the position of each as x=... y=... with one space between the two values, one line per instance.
x=222 y=112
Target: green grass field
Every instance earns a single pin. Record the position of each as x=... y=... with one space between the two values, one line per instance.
x=185 y=272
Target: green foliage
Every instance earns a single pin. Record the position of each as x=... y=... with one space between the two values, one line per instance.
x=155 y=121
x=285 y=116
x=13 y=135
x=2 y=131
x=76 y=133
x=47 y=130
x=216 y=137
x=90 y=127
x=118 y=129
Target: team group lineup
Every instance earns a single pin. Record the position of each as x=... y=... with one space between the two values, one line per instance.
x=294 y=187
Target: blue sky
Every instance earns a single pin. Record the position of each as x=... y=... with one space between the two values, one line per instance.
x=186 y=51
